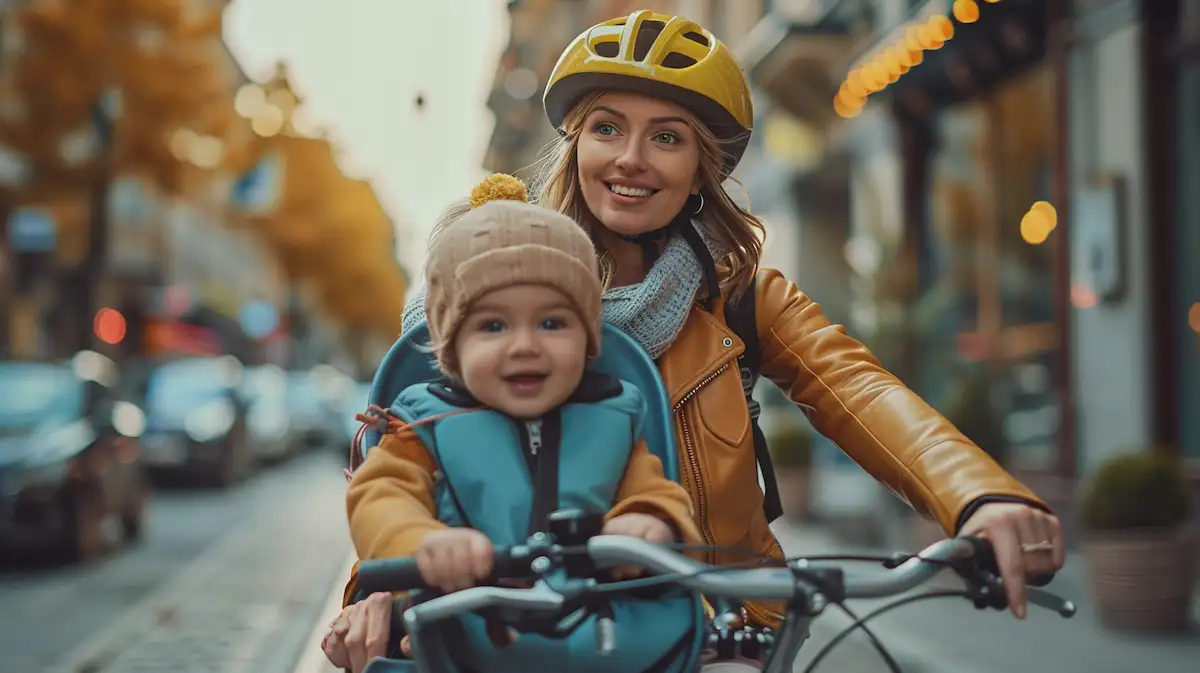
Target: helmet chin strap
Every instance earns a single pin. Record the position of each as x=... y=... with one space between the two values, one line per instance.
x=682 y=222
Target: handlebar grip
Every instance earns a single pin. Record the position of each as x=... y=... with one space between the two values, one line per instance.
x=985 y=556
x=401 y=574
x=389 y=574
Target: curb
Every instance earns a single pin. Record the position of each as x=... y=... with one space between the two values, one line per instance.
x=311 y=659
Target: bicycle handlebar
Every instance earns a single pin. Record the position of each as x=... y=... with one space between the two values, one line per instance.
x=401 y=574
x=812 y=584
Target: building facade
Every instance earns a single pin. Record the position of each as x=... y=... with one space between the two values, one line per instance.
x=1080 y=337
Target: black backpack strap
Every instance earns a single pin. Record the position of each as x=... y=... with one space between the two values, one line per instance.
x=741 y=318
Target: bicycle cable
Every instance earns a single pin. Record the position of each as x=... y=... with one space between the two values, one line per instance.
x=623 y=586
x=861 y=623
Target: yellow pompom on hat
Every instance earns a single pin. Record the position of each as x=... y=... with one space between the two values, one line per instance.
x=498 y=187
x=503 y=241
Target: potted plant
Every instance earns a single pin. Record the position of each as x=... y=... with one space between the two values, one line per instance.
x=791 y=453
x=1141 y=560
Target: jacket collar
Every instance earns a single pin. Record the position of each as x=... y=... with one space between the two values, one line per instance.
x=703 y=346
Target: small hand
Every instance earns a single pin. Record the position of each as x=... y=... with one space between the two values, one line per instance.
x=454 y=558
x=1027 y=540
x=644 y=526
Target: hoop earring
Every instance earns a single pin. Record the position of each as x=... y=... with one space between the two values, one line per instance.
x=701 y=206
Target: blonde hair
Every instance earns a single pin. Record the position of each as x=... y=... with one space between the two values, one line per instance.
x=723 y=220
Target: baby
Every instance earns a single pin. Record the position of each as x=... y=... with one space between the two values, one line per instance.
x=519 y=427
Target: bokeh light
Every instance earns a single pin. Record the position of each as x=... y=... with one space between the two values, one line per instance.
x=942 y=27
x=109 y=325
x=269 y=122
x=1047 y=210
x=966 y=11
x=1035 y=228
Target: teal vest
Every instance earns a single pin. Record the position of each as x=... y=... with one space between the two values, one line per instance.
x=503 y=477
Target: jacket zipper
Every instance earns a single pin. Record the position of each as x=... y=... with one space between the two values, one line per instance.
x=534 y=428
x=694 y=462
x=532 y=444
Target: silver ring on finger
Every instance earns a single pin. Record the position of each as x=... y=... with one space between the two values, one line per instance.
x=1035 y=547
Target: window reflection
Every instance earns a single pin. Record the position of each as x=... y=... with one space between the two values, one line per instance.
x=1186 y=307
x=984 y=323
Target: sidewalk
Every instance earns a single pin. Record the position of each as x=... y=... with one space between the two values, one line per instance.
x=949 y=636
x=311 y=659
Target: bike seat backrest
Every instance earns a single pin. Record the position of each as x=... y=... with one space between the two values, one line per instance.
x=409 y=362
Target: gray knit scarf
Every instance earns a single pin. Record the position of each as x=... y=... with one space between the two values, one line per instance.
x=652 y=311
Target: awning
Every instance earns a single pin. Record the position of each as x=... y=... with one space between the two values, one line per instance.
x=799 y=63
x=1008 y=37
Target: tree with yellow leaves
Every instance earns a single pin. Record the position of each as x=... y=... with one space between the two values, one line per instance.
x=100 y=87
x=332 y=230
x=158 y=56
x=326 y=228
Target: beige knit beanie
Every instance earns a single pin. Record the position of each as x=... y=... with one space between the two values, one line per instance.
x=504 y=241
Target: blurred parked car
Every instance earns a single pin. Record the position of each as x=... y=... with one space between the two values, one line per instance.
x=70 y=480
x=313 y=405
x=268 y=422
x=196 y=421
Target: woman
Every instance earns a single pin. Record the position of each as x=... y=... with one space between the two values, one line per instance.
x=654 y=114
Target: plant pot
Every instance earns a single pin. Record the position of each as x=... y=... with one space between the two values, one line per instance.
x=1143 y=580
x=795 y=492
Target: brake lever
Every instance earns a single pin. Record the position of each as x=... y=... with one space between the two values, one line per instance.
x=539 y=599
x=990 y=593
x=1043 y=599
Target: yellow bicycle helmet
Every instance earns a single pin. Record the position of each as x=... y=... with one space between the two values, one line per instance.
x=658 y=55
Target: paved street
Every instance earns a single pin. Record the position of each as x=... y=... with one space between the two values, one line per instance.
x=223 y=582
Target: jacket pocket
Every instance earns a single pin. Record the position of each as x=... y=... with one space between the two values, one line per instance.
x=722 y=407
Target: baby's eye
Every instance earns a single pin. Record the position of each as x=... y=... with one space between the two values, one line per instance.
x=553 y=323
x=491 y=326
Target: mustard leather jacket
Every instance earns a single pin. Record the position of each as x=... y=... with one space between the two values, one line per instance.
x=881 y=424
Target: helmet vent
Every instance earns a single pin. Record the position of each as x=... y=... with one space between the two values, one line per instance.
x=697 y=37
x=677 y=61
x=650 y=31
x=608 y=49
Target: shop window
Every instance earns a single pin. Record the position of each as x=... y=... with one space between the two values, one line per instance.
x=1187 y=273
x=985 y=330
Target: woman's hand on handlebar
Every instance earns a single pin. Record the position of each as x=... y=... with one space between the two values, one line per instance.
x=644 y=526
x=1027 y=542
x=454 y=558
x=360 y=633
